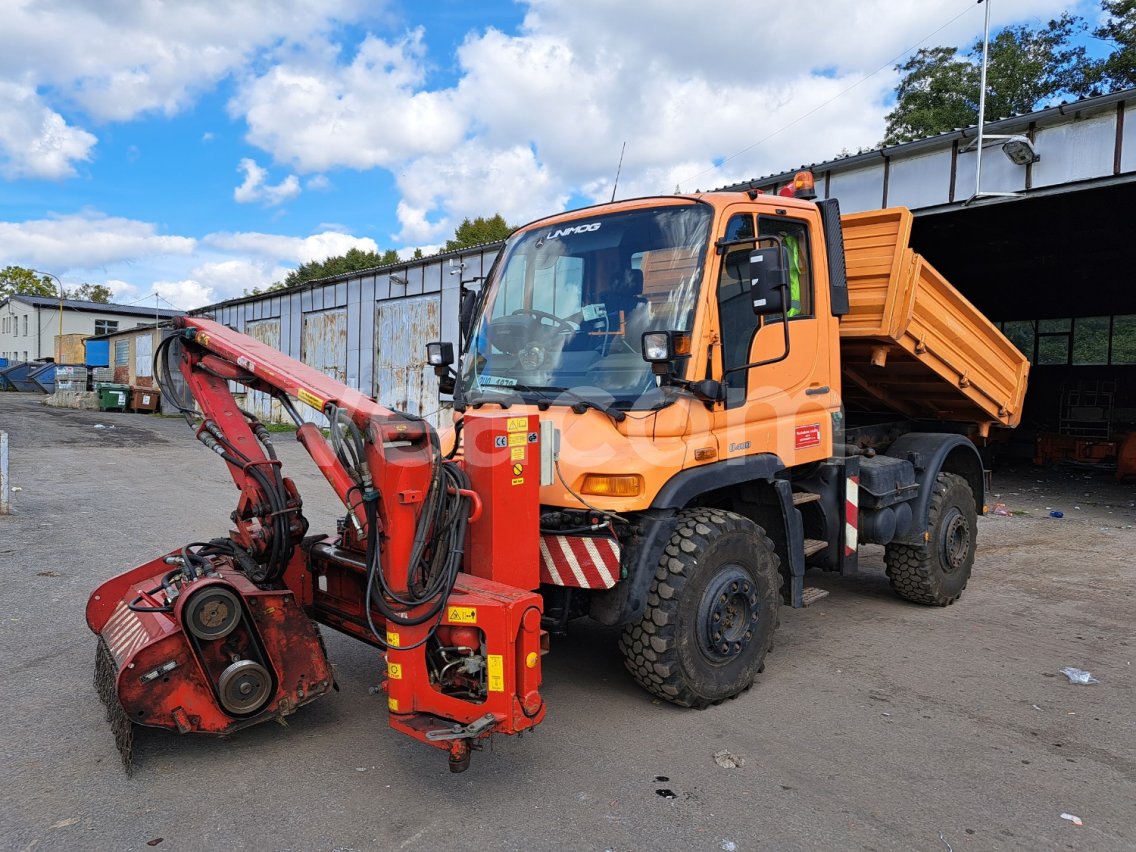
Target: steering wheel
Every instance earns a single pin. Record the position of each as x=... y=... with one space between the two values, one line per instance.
x=560 y=325
x=524 y=328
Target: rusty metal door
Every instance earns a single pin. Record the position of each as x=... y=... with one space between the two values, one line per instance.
x=403 y=382
x=267 y=409
x=324 y=343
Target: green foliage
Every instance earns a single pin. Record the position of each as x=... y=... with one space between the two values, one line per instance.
x=936 y=93
x=479 y=231
x=1027 y=66
x=90 y=293
x=17 y=279
x=353 y=261
x=1118 y=70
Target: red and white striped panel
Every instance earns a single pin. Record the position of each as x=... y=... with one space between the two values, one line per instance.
x=851 y=514
x=579 y=561
x=124 y=633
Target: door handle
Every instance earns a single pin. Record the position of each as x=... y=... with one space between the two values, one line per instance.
x=816 y=391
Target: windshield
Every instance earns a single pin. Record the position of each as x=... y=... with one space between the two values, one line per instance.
x=569 y=304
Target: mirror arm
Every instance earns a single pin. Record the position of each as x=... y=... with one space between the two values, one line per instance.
x=784 y=288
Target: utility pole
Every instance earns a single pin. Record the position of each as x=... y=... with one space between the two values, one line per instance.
x=982 y=102
x=59 y=339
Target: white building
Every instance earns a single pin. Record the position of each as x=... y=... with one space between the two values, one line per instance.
x=30 y=325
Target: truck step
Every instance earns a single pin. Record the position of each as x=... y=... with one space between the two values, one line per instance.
x=800 y=497
x=812 y=594
x=814 y=545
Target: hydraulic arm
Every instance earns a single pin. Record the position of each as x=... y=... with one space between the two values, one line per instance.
x=220 y=635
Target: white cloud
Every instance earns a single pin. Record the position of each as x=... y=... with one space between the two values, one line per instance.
x=84 y=240
x=317 y=114
x=35 y=141
x=295 y=249
x=149 y=58
x=133 y=259
x=253 y=188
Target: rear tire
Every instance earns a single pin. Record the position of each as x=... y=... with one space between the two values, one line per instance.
x=936 y=572
x=711 y=612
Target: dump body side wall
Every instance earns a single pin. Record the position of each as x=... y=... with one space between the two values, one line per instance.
x=912 y=341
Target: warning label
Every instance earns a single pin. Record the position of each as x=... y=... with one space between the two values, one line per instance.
x=310 y=398
x=462 y=615
x=519 y=481
x=517 y=454
x=392 y=639
x=518 y=469
x=517 y=424
x=516 y=439
x=807 y=436
x=394 y=671
x=496 y=673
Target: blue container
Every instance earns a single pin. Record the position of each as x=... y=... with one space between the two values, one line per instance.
x=97 y=353
x=18 y=375
x=43 y=378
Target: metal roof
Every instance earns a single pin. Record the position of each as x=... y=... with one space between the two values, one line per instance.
x=93 y=307
x=1006 y=125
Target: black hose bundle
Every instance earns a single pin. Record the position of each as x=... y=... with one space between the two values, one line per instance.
x=436 y=557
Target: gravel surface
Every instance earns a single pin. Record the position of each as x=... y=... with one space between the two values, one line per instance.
x=877 y=724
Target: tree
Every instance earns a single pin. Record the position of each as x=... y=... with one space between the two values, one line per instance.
x=1118 y=70
x=939 y=89
x=353 y=261
x=17 y=279
x=479 y=231
x=90 y=293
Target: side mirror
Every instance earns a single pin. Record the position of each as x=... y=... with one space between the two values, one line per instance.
x=767 y=280
x=468 y=303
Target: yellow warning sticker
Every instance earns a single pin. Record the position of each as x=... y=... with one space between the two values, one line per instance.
x=394 y=671
x=517 y=439
x=517 y=424
x=462 y=615
x=517 y=453
x=518 y=469
x=392 y=704
x=520 y=480
x=310 y=398
x=496 y=673
x=392 y=639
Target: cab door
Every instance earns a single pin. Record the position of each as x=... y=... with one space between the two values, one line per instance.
x=784 y=405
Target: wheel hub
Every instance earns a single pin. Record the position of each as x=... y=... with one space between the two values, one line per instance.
x=955 y=541
x=728 y=614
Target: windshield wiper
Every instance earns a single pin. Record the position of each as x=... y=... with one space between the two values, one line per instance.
x=579 y=403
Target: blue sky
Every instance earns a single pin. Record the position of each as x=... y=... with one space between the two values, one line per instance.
x=197 y=149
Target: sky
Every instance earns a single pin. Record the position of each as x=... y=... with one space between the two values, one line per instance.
x=183 y=152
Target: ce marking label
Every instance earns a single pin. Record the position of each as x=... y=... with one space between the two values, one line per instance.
x=500 y=441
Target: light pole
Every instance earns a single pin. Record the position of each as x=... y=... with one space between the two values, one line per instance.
x=59 y=339
x=1019 y=149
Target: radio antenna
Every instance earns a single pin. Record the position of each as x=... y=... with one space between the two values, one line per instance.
x=618 y=169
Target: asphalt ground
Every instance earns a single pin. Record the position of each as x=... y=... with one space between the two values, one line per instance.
x=878 y=724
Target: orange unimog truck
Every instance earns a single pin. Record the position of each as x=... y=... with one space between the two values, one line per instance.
x=740 y=386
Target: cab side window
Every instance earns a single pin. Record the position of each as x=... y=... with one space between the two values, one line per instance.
x=736 y=319
x=794 y=236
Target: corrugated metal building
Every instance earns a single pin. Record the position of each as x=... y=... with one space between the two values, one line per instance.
x=366 y=329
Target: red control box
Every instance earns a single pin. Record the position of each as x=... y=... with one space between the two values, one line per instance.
x=502 y=458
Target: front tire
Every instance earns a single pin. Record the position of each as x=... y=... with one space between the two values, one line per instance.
x=711 y=611
x=936 y=572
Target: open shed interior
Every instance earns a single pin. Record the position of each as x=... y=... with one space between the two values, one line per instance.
x=1055 y=273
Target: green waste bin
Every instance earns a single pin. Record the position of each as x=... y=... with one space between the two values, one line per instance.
x=113 y=396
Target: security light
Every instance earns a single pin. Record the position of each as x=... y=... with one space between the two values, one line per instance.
x=1020 y=151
